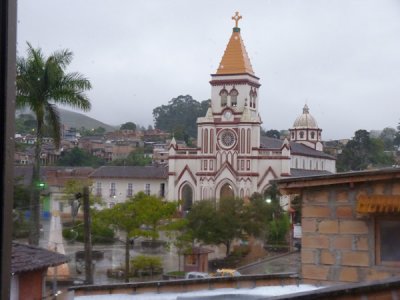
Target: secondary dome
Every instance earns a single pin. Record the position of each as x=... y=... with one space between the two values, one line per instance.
x=305 y=120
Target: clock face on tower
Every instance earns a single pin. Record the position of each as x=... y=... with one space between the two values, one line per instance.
x=227 y=138
x=228 y=114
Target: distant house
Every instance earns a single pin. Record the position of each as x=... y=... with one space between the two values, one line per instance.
x=29 y=266
x=115 y=184
x=350 y=225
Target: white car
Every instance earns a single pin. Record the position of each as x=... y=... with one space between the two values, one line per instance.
x=196 y=275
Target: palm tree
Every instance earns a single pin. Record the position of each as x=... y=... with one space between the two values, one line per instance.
x=42 y=84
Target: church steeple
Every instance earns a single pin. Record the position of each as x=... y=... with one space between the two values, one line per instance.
x=235 y=59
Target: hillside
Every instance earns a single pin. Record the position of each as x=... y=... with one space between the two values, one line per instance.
x=78 y=120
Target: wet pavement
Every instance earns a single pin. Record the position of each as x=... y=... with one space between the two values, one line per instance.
x=114 y=257
x=279 y=263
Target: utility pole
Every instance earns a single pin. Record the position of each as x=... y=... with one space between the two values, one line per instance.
x=88 y=237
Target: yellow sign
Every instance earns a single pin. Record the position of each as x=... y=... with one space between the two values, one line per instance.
x=378 y=204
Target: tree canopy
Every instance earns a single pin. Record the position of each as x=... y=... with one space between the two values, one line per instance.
x=135 y=158
x=77 y=157
x=363 y=152
x=142 y=215
x=180 y=115
x=273 y=133
x=128 y=126
x=232 y=219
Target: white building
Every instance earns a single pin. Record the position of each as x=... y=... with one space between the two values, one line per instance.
x=115 y=184
x=231 y=158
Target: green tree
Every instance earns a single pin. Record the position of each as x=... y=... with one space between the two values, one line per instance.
x=273 y=133
x=42 y=84
x=396 y=140
x=92 y=132
x=180 y=116
x=71 y=191
x=128 y=217
x=128 y=126
x=387 y=136
x=154 y=213
x=124 y=218
x=21 y=195
x=144 y=263
x=217 y=226
x=77 y=157
x=135 y=158
x=363 y=152
x=25 y=123
x=20 y=206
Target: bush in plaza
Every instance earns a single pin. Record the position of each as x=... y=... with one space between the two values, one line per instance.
x=146 y=265
x=100 y=234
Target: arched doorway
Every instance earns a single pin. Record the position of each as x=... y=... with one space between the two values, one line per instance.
x=187 y=198
x=227 y=191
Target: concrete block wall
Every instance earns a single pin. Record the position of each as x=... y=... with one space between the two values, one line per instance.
x=338 y=246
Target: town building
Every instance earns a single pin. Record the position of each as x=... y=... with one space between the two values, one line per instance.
x=115 y=184
x=231 y=157
x=29 y=266
x=350 y=223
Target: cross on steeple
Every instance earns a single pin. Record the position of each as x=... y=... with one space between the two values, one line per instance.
x=236 y=17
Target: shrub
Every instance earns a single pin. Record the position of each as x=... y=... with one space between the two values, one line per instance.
x=278 y=229
x=100 y=234
x=146 y=265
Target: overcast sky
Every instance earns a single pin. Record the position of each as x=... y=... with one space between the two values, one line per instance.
x=341 y=57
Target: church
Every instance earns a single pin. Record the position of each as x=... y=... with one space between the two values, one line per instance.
x=231 y=157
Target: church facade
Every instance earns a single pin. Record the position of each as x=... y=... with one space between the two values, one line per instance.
x=231 y=157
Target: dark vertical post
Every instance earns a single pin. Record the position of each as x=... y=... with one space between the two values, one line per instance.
x=88 y=237
x=8 y=31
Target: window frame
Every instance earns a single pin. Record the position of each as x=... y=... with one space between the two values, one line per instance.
x=147 y=189
x=378 y=260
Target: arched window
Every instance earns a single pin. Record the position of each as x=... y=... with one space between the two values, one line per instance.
x=187 y=198
x=313 y=135
x=248 y=140
x=205 y=146
x=205 y=194
x=211 y=140
x=242 y=141
x=253 y=96
x=224 y=97
x=302 y=134
x=241 y=193
x=233 y=94
x=292 y=135
x=227 y=191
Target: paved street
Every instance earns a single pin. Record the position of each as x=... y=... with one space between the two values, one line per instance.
x=274 y=264
x=114 y=256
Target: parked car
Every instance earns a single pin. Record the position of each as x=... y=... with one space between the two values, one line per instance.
x=227 y=273
x=196 y=275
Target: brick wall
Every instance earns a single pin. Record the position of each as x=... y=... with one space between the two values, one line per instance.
x=338 y=246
